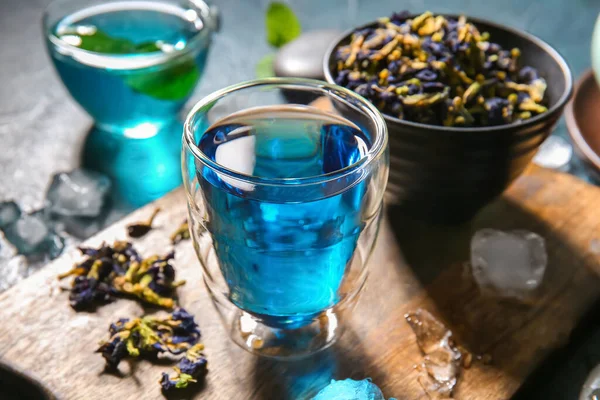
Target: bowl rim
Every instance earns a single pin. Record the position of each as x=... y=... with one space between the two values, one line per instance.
x=556 y=56
x=580 y=142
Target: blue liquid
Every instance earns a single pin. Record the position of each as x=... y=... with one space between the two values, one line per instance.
x=124 y=89
x=142 y=170
x=283 y=250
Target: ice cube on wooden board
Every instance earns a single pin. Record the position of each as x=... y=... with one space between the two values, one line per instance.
x=508 y=264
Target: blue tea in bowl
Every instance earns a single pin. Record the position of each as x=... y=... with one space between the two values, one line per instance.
x=283 y=252
x=130 y=63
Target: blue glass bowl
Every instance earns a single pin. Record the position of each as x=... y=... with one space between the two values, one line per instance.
x=145 y=60
x=132 y=66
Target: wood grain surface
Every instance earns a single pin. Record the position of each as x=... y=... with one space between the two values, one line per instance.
x=413 y=266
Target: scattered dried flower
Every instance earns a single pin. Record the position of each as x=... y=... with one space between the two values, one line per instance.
x=152 y=280
x=149 y=336
x=139 y=229
x=182 y=233
x=118 y=270
x=190 y=369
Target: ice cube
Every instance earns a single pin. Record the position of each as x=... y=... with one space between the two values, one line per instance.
x=508 y=264
x=554 y=153
x=82 y=227
x=27 y=234
x=441 y=361
x=9 y=213
x=30 y=235
x=79 y=193
x=55 y=244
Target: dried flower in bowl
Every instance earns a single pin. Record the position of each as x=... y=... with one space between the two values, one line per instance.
x=439 y=71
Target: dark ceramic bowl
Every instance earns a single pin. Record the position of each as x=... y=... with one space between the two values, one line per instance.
x=447 y=174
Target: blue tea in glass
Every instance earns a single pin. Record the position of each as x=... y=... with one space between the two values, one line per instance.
x=284 y=202
x=131 y=65
x=283 y=257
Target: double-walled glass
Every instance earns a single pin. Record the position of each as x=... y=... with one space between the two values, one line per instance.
x=285 y=181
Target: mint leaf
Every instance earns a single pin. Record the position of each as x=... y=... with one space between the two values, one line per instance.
x=282 y=24
x=264 y=68
x=173 y=83
x=146 y=47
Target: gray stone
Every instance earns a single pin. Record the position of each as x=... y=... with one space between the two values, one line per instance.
x=303 y=58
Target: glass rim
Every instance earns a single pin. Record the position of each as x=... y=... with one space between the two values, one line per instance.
x=374 y=153
x=145 y=60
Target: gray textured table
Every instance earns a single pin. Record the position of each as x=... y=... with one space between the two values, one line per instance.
x=42 y=129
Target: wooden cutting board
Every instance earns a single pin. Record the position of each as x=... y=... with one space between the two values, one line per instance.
x=413 y=266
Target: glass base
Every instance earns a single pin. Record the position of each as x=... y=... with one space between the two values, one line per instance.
x=282 y=338
x=144 y=162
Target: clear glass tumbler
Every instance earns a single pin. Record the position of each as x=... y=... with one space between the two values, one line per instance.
x=285 y=181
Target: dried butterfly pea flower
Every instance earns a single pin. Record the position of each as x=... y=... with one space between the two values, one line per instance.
x=113 y=351
x=92 y=284
x=190 y=369
x=86 y=293
x=182 y=233
x=139 y=229
x=415 y=69
x=152 y=280
x=118 y=270
x=120 y=252
x=149 y=336
x=177 y=333
x=129 y=338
